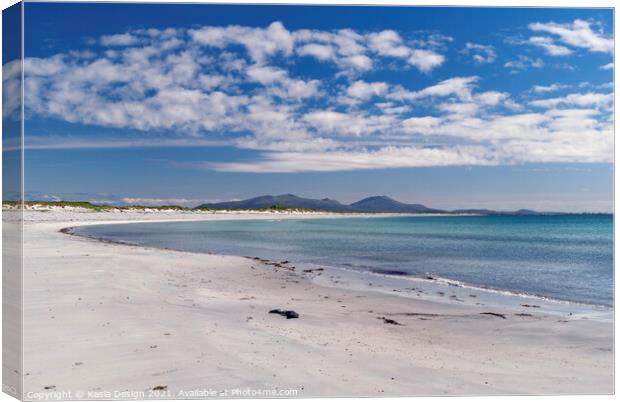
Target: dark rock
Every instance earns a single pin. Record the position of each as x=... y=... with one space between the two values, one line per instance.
x=312 y=270
x=285 y=313
x=495 y=314
x=389 y=321
x=394 y=272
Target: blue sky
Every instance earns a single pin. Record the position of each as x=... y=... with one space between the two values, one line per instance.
x=451 y=107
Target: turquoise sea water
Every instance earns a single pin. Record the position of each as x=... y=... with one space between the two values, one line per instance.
x=566 y=258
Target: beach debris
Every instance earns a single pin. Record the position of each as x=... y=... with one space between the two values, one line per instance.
x=285 y=313
x=430 y=278
x=495 y=314
x=530 y=305
x=389 y=321
x=50 y=387
x=523 y=315
x=160 y=388
x=307 y=271
x=415 y=314
x=394 y=272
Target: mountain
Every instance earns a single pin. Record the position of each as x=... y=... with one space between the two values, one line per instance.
x=371 y=204
x=379 y=203
x=284 y=200
x=386 y=204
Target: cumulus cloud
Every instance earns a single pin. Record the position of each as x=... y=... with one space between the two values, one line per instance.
x=389 y=43
x=548 y=88
x=460 y=87
x=321 y=52
x=259 y=43
x=522 y=63
x=587 y=99
x=550 y=47
x=240 y=86
x=425 y=60
x=364 y=90
x=480 y=54
x=578 y=33
x=124 y=39
x=608 y=66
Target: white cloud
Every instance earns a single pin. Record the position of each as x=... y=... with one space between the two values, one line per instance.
x=578 y=34
x=259 y=43
x=549 y=46
x=481 y=54
x=359 y=62
x=548 y=88
x=321 y=52
x=119 y=40
x=458 y=86
x=386 y=157
x=356 y=52
x=266 y=75
x=364 y=90
x=388 y=43
x=587 y=99
x=421 y=125
x=240 y=86
x=331 y=122
x=608 y=66
x=425 y=60
x=12 y=89
x=523 y=63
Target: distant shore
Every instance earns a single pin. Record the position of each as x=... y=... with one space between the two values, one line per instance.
x=85 y=206
x=163 y=319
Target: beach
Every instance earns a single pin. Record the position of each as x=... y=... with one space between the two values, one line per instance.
x=102 y=318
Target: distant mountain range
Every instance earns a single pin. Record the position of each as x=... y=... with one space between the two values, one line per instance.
x=371 y=204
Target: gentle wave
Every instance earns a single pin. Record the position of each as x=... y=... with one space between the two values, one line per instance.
x=434 y=279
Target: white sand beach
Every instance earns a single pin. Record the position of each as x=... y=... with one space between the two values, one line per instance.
x=103 y=318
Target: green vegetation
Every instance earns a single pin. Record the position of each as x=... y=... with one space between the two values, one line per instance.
x=62 y=204
x=94 y=207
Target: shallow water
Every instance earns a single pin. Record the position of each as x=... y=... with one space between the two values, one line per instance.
x=567 y=258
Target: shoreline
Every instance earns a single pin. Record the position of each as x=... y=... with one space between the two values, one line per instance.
x=214 y=306
x=502 y=298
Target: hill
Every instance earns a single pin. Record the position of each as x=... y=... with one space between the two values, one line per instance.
x=386 y=204
x=370 y=204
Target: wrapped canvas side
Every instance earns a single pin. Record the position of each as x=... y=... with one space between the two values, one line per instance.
x=12 y=199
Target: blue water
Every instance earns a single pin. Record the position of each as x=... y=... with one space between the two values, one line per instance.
x=560 y=257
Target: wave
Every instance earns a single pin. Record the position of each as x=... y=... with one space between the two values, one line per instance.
x=434 y=279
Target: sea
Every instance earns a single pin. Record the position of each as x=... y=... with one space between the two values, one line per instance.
x=562 y=263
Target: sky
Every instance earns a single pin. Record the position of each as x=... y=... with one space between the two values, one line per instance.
x=498 y=108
